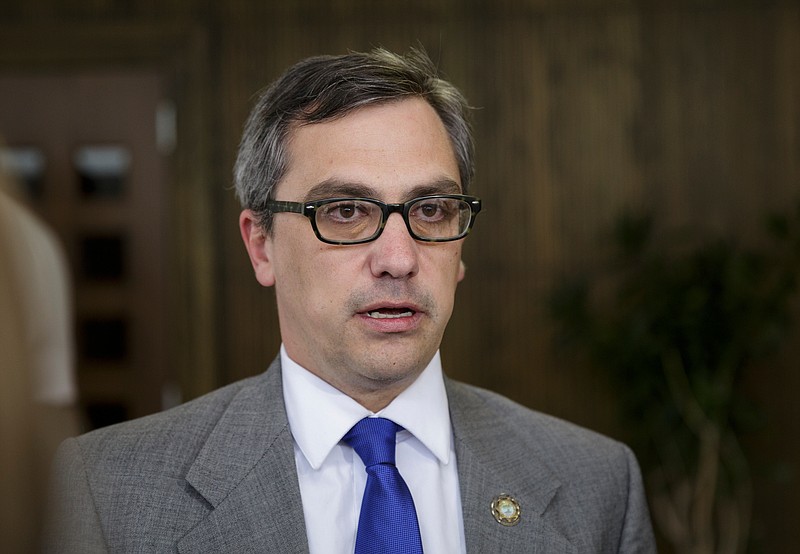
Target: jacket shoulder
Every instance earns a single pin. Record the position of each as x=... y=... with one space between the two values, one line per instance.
x=126 y=487
x=526 y=424
x=175 y=434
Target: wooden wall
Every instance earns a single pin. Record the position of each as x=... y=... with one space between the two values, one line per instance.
x=585 y=107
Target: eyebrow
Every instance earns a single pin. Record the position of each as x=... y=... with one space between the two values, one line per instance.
x=334 y=188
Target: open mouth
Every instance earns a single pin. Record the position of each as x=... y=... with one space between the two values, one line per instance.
x=390 y=313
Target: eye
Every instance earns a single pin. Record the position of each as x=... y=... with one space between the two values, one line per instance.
x=429 y=210
x=346 y=211
x=433 y=209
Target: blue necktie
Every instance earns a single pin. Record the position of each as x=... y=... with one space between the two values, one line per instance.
x=388 y=521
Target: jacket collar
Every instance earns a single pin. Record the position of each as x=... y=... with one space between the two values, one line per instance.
x=246 y=472
x=483 y=440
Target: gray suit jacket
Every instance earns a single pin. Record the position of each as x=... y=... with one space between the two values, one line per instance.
x=218 y=475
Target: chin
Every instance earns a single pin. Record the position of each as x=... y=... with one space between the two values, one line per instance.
x=388 y=368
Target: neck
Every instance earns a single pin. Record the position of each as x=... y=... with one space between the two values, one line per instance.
x=375 y=395
x=376 y=401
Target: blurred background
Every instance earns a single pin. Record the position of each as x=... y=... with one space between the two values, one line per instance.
x=121 y=119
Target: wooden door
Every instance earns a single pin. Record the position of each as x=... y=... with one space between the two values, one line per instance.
x=92 y=149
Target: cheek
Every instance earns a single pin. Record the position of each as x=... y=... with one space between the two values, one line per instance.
x=310 y=277
x=295 y=252
x=446 y=270
x=456 y=267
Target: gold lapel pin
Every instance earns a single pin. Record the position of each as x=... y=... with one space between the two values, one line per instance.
x=506 y=510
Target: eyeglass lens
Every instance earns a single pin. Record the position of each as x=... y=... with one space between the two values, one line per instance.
x=429 y=218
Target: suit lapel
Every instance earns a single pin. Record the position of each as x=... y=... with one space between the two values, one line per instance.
x=246 y=472
x=488 y=466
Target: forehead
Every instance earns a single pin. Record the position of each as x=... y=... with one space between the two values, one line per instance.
x=387 y=148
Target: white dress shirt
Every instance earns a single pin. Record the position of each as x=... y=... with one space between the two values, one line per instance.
x=332 y=476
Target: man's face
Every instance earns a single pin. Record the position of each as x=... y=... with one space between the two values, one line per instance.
x=365 y=318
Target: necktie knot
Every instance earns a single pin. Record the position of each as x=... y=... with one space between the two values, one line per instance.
x=373 y=439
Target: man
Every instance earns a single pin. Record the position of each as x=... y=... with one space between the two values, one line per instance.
x=353 y=172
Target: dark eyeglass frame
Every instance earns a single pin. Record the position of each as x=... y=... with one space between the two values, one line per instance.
x=309 y=209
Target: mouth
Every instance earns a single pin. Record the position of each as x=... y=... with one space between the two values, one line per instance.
x=387 y=316
x=390 y=313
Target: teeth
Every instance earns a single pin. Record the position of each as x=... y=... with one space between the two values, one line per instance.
x=389 y=315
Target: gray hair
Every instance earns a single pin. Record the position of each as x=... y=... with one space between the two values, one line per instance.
x=324 y=88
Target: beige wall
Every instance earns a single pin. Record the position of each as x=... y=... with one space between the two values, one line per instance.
x=585 y=108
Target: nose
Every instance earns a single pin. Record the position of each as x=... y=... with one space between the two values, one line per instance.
x=395 y=253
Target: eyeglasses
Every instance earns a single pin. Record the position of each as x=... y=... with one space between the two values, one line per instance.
x=434 y=218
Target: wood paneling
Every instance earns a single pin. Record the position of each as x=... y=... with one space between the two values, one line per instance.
x=586 y=107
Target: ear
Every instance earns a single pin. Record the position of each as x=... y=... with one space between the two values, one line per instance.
x=462 y=270
x=259 y=247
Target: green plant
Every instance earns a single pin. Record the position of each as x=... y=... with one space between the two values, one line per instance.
x=677 y=323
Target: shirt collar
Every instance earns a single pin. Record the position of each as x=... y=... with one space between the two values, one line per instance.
x=320 y=415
